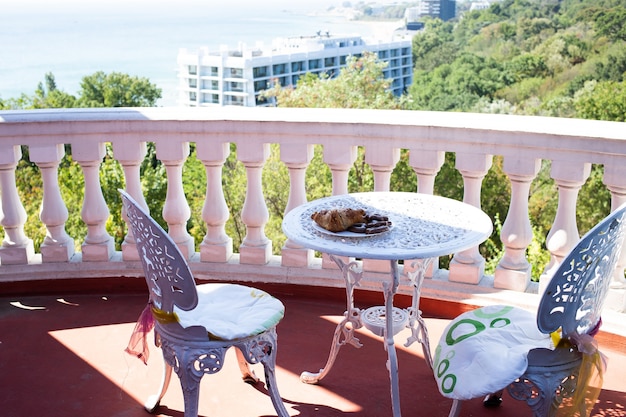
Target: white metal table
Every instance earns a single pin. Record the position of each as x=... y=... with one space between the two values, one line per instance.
x=423 y=227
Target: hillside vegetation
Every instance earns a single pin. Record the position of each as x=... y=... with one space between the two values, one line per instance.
x=536 y=57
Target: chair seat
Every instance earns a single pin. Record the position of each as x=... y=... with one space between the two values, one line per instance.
x=232 y=312
x=468 y=367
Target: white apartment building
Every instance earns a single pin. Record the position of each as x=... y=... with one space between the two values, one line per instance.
x=236 y=77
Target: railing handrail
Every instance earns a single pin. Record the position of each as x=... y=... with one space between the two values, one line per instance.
x=429 y=124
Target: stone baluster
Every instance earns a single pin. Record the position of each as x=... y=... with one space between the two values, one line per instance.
x=98 y=244
x=216 y=246
x=615 y=180
x=176 y=211
x=382 y=160
x=130 y=154
x=340 y=159
x=256 y=248
x=426 y=165
x=57 y=246
x=468 y=266
x=297 y=158
x=17 y=249
x=514 y=271
x=569 y=177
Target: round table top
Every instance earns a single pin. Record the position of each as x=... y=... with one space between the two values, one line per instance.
x=423 y=226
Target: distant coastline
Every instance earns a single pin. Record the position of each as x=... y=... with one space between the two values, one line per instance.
x=378 y=29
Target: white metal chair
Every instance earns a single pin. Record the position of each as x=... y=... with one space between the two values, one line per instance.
x=537 y=358
x=195 y=325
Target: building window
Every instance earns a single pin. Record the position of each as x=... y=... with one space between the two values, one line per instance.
x=279 y=69
x=236 y=72
x=260 y=85
x=343 y=59
x=192 y=96
x=297 y=66
x=210 y=85
x=315 y=64
x=193 y=69
x=259 y=72
x=193 y=83
x=214 y=71
x=211 y=98
x=329 y=61
x=235 y=86
x=236 y=101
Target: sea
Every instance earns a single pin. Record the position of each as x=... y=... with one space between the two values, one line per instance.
x=75 y=38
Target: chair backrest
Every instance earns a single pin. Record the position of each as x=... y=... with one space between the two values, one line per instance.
x=575 y=295
x=167 y=273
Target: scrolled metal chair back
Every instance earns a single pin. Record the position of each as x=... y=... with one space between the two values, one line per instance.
x=574 y=298
x=167 y=273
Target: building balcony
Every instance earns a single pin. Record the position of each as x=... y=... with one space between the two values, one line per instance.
x=66 y=271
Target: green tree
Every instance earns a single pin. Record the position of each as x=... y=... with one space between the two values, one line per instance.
x=613 y=69
x=46 y=96
x=458 y=86
x=434 y=45
x=117 y=90
x=360 y=84
x=604 y=100
x=610 y=23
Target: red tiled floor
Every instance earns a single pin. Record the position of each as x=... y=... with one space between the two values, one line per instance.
x=63 y=356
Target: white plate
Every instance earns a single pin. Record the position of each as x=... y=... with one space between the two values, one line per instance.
x=348 y=233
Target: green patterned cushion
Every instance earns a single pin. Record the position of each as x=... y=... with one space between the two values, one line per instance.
x=484 y=350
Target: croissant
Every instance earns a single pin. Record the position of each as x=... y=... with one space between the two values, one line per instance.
x=338 y=220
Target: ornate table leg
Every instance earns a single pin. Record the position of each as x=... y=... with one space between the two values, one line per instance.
x=344 y=333
x=392 y=358
x=419 y=332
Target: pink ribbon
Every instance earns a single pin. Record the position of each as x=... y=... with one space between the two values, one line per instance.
x=138 y=343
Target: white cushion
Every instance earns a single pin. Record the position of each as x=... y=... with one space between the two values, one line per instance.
x=484 y=350
x=231 y=311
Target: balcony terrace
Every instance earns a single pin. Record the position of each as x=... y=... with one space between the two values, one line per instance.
x=90 y=296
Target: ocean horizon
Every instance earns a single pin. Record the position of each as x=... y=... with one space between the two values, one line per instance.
x=72 y=38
